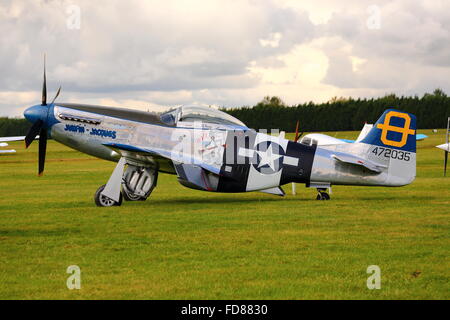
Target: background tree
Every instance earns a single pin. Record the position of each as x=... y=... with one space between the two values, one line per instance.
x=340 y=113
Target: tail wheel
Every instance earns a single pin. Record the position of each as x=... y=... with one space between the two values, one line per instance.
x=103 y=201
x=323 y=196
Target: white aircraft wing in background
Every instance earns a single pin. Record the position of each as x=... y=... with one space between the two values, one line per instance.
x=11 y=139
x=7 y=151
x=3 y=143
x=445 y=147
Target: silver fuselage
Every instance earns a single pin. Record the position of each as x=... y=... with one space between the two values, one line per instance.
x=90 y=131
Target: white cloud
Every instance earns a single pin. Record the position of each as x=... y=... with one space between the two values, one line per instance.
x=272 y=41
x=152 y=54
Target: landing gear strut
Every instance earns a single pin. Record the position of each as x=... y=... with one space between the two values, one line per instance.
x=322 y=194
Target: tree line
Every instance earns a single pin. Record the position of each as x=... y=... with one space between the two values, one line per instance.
x=13 y=127
x=343 y=114
x=338 y=114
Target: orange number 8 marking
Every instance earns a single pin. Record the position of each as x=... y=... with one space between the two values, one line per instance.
x=386 y=127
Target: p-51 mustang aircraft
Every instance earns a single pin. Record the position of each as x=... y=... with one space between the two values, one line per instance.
x=210 y=150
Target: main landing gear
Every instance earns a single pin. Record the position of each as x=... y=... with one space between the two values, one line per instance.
x=322 y=194
x=133 y=184
x=138 y=183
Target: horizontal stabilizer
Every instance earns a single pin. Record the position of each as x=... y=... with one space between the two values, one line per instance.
x=350 y=159
x=276 y=191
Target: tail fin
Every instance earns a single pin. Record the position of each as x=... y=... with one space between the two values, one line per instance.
x=392 y=142
x=394 y=129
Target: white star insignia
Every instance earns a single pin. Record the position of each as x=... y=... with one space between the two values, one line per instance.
x=268 y=158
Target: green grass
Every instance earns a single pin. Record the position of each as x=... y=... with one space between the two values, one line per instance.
x=187 y=244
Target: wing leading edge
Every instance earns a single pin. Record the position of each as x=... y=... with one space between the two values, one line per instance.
x=129 y=150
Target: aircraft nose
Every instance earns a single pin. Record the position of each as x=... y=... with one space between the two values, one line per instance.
x=36 y=113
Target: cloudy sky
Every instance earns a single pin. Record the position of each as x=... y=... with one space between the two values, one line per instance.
x=147 y=54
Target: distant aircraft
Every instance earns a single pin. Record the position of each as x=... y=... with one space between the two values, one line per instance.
x=325 y=140
x=445 y=146
x=3 y=143
x=210 y=150
x=6 y=151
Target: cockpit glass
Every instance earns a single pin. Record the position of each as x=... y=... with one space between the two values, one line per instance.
x=196 y=113
x=170 y=117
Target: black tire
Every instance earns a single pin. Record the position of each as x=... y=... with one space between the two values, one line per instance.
x=102 y=201
x=323 y=196
x=128 y=197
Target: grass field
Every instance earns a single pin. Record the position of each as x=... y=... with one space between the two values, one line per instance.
x=187 y=244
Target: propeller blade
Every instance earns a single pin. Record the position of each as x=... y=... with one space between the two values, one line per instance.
x=57 y=94
x=296 y=131
x=44 y=88
x=42 y=150
x=445 y=163
x=33 y=132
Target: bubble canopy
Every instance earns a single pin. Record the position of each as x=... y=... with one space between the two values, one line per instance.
x=199 y=113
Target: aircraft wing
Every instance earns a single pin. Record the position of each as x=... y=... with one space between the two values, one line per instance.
x=445 y=147
x=354 y=160
x=137 y=152
x=4 y=144
x=11 y=139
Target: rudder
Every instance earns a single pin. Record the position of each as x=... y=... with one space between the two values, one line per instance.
x=392 y=141
x=394 y=129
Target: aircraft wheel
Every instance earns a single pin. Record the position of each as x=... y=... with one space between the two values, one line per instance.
x=103 y=201
x=323 y=196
